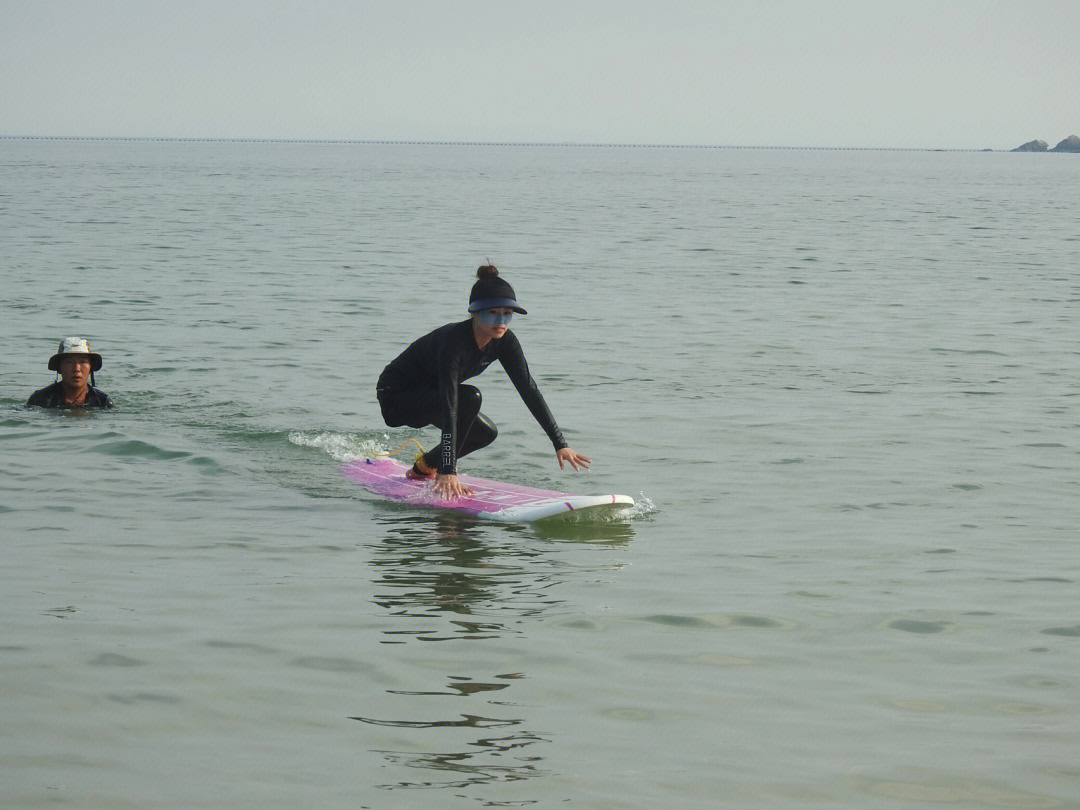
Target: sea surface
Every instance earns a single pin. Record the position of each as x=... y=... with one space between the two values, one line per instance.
x=844 y=388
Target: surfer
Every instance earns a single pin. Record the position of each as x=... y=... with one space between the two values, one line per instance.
x=423 y=385
x=75 y=364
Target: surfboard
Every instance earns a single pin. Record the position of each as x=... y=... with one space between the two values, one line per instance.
x=491 y=500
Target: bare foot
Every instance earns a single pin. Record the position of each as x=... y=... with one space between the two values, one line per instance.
x=414 y=474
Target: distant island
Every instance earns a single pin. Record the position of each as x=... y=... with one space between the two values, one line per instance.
x=1070 y=144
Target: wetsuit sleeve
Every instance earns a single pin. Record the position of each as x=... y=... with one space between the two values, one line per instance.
x=449 y=378
x=513 y=360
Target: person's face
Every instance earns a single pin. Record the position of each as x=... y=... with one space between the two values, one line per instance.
x=75 y=370
x=494 y=322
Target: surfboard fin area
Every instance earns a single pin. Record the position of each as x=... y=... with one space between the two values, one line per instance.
x=491 y=500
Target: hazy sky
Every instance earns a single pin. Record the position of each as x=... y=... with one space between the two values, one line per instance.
x=946 y=74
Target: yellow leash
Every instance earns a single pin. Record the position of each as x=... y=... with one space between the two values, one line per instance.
x=418 y=461
x=410 y=441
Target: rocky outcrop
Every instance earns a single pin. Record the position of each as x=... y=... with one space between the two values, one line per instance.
x=1070 y=144
x=1032 y=146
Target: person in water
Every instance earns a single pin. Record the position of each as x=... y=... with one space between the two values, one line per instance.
x=423 y=385
x=76 y=365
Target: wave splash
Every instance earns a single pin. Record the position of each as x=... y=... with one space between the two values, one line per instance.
x=342 y=447
x=643 y=506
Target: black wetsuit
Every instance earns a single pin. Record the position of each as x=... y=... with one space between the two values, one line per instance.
x=422 y=386
x=53 y=397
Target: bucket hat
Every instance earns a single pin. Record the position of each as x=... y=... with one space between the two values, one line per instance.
x=74 y=345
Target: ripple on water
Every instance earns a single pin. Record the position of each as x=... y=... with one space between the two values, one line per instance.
x=134 y=448
x=63 y=612
x=26 y=434
x=581 y=624
x=207 y=465
x=680 y=621
x=1039 y=682
x=755 y=621
x=143 y=697
x=720 y=620
x=1018 y=708
x=916 y=626
x=1071 y=630
x=114 y=660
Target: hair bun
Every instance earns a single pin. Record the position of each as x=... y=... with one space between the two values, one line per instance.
x=487 y=271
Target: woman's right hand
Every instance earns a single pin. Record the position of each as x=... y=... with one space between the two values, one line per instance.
x=449 y=487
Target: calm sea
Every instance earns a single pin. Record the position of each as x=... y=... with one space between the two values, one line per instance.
x=843 y=386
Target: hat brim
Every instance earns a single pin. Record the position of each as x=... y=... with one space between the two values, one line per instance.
x=56 y=359
x=495 y=303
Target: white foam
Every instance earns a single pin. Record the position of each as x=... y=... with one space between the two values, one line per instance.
x=643 y=506
x=341 y=447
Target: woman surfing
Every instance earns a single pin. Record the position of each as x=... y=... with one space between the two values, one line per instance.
x=423 y=385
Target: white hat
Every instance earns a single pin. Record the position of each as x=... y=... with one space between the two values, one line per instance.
x=74 y=345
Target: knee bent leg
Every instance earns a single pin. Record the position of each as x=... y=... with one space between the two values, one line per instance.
x=486 y=431
x=469 y=399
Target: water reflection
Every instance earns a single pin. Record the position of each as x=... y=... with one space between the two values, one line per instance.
x=445 y=578
x=465 y=774
x=440 y=568
x=575 y=529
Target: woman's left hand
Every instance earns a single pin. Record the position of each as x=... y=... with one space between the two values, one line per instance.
x=576 y=460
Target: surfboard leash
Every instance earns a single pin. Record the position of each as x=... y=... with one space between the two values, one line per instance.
x=410 y=441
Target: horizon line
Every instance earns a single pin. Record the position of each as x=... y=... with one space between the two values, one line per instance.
x=442 y=142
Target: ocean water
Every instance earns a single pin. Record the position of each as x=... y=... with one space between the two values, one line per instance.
x=843 y=387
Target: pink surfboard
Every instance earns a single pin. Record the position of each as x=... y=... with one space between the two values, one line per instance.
x=491 y=500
